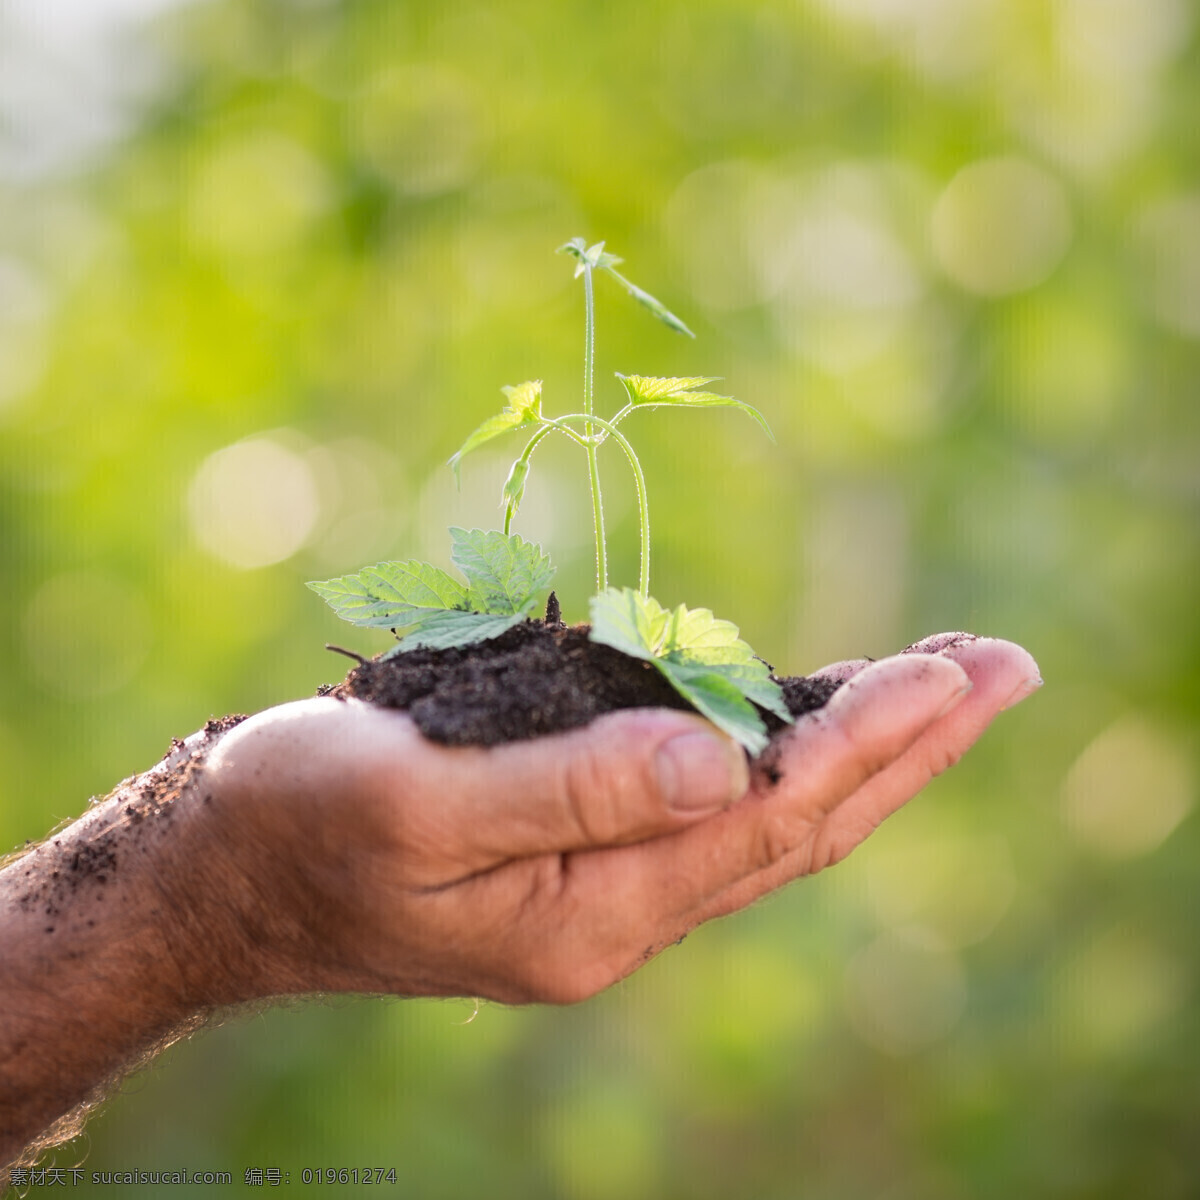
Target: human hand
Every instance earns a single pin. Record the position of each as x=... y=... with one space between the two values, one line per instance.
x=354 y=855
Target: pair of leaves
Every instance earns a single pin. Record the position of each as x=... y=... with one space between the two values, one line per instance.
x=524 y=409
x=505 y=576
x=701 y=656
x=598 y=259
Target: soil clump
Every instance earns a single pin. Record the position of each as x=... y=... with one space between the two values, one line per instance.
x=540 y=677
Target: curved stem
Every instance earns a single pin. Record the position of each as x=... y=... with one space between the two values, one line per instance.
x=619 y=417
x=639 y=480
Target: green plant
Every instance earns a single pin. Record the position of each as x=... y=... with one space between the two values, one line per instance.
x=702 y=657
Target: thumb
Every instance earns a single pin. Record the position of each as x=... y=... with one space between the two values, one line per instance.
x=628 y=776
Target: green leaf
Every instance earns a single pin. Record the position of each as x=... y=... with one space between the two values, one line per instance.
x=721 y=701
x=647 y=390
x=627 y=621
x=599 y=259
x=504 y=578
x=451 y=627
x=505 y=573
x=525 y=399
x=644 y=298
x=701 y=656
x=391 y=594
x=752 y=680
x=524 y=408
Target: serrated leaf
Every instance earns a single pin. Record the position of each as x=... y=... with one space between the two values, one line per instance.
x=525 y=398
x=450 y=627
x=650 y=391
x=628 y=621
x=391 y=594
x=524 y=408
x=753 y=680
x=504 y=573
x=701 y=656
x=721 y=701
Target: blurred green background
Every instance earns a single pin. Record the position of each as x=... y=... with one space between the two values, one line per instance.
x=263 y=264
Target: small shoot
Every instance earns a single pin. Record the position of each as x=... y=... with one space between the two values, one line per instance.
x=506 y=577
x=585 y=428
x=596 y=258
x=702 y=657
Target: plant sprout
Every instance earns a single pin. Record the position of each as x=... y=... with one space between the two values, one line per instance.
x=702 y=657
x=585 y=428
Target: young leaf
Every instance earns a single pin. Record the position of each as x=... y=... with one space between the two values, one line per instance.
x=722 y=702
x=588 y=256
x=644 y=298
x=391 y=594
x=599 y=259
x=504 y=573
x=702 y=658
x=524 y=408
x=525 y=398
x=504 y=576
x=629 y=622
x=452 y=627
x=647 y=391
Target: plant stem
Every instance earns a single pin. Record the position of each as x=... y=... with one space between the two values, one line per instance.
x=639 y=480
x=589 y=349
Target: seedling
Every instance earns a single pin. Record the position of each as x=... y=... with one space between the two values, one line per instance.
x=702 y=657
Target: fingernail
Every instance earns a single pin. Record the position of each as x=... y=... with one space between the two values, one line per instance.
x=700 y=773
x=954 y=700
x=1025 y=688
x=898 y=697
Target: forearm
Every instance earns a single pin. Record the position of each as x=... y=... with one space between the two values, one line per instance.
x=94 y=950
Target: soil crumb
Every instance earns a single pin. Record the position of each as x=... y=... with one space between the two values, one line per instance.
x=538 y=678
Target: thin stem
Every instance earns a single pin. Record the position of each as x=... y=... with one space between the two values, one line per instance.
x=557 y=423
x=597 y=518
x=589 y=351
x=589 y=342
x=639 y=480
x=616 y=420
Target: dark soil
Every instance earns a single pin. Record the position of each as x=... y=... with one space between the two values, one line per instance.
x=540 y=677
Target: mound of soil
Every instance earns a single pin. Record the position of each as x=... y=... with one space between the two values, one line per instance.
x=540 y=677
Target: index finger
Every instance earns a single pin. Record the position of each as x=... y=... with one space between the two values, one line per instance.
x=1001 y=673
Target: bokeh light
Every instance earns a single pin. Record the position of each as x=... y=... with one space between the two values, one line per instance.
x=1129 y=789
x=253 y=503
x=1001 y=226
